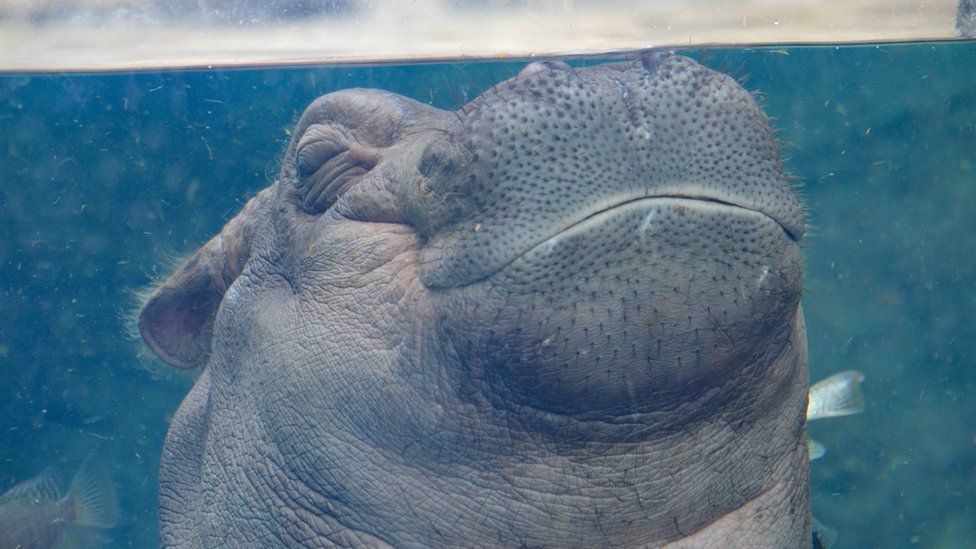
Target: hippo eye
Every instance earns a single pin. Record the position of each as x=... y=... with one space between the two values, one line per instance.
x=327 y=163
x=318 y=145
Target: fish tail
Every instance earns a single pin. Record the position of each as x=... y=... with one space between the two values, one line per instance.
x=815 y=449
x=839 y=395
x=93 y=495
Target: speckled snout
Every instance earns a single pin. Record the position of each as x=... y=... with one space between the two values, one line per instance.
x=633 y=224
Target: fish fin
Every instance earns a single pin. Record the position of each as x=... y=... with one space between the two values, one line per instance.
x=816 y=449
x=93 y=495
x=823 y=536
x=838 y=395
x=43 y=487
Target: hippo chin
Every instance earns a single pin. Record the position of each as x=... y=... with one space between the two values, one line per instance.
x=567 y=314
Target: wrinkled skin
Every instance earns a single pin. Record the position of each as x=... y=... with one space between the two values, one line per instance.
x=566 y=314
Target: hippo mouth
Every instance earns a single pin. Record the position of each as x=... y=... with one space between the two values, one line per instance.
x=690 y=199
x=671 y=221
x=654 y=205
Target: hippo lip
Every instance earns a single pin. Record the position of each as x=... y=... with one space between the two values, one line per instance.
x=688 y=197
x=723 y=201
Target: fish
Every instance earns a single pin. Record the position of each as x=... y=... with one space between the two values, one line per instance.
x=34 y=513
x=835 y=396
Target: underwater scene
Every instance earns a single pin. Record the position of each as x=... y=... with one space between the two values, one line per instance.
x=109 y=181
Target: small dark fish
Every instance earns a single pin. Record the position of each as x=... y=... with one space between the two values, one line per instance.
x=35 y=514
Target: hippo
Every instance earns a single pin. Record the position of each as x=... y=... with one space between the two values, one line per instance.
x=565 y=314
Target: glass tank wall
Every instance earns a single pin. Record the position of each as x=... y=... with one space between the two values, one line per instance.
x=109 y=179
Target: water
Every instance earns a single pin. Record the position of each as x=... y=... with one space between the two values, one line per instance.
x=106 y=178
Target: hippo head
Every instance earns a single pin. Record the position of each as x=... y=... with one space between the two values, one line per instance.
x=565 y=314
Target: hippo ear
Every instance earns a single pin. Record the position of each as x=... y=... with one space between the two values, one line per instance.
x=176 y=320
x=343 y=136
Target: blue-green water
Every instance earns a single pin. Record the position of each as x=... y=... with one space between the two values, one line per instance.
x=105 y=178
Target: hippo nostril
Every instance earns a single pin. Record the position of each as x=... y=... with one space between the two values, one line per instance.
x=653 y=59
x=544 y=66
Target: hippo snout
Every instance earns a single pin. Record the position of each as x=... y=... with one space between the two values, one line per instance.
x=628 y=232
x=556 y=145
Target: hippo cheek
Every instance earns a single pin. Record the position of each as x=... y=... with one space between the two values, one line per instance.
x=180 y=465
x=642 y=307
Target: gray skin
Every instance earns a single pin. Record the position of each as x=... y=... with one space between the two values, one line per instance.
x=566 y=314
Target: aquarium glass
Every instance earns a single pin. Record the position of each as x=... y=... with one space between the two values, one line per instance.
x=108 y=180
